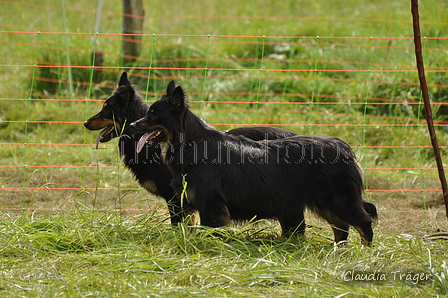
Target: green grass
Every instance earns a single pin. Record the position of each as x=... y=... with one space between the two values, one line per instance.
x=112 y=255
x=136 y=253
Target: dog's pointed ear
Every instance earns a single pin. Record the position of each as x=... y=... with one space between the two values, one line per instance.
x=170 y=88
x=177 y=98
x=124 y=80
x=126 y=92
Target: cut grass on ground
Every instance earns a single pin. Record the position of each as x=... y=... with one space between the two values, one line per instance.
x=106 y=254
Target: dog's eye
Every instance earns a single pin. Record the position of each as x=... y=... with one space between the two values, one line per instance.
x=109 y=104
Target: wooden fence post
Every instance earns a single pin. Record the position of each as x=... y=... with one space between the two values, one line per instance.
x=133 y=14
x=426 y=101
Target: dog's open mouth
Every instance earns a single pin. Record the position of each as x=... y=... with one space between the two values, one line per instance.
x=105 y=135
x=147 y=137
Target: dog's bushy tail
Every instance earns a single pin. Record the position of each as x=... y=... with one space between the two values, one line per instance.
x=371 y=210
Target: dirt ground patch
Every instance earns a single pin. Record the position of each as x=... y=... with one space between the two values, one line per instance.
x=411 y=213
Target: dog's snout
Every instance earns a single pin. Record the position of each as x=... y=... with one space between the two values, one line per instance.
x=134 y=125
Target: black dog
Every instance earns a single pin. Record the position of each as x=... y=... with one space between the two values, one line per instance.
x=233 y=177
x=126 y=106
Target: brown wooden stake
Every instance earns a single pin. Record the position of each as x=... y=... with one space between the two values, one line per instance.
x=132 y=28
x=427 y=103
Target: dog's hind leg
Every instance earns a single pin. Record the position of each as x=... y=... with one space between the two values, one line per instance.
x=340 y=227
x=293 y=225
x=370 y=209
x=365 y=231
x=355 y=216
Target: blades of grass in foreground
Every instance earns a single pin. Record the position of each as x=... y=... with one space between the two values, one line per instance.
x=116 y=256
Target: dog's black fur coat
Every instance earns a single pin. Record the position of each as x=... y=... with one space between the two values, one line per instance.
x=233 y=177
x=125 y=106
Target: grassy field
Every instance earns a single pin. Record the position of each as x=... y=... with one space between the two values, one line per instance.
x=114 y=255
x=345 y=69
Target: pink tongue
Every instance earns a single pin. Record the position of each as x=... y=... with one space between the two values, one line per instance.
x=100 y=135
x=144 y=138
